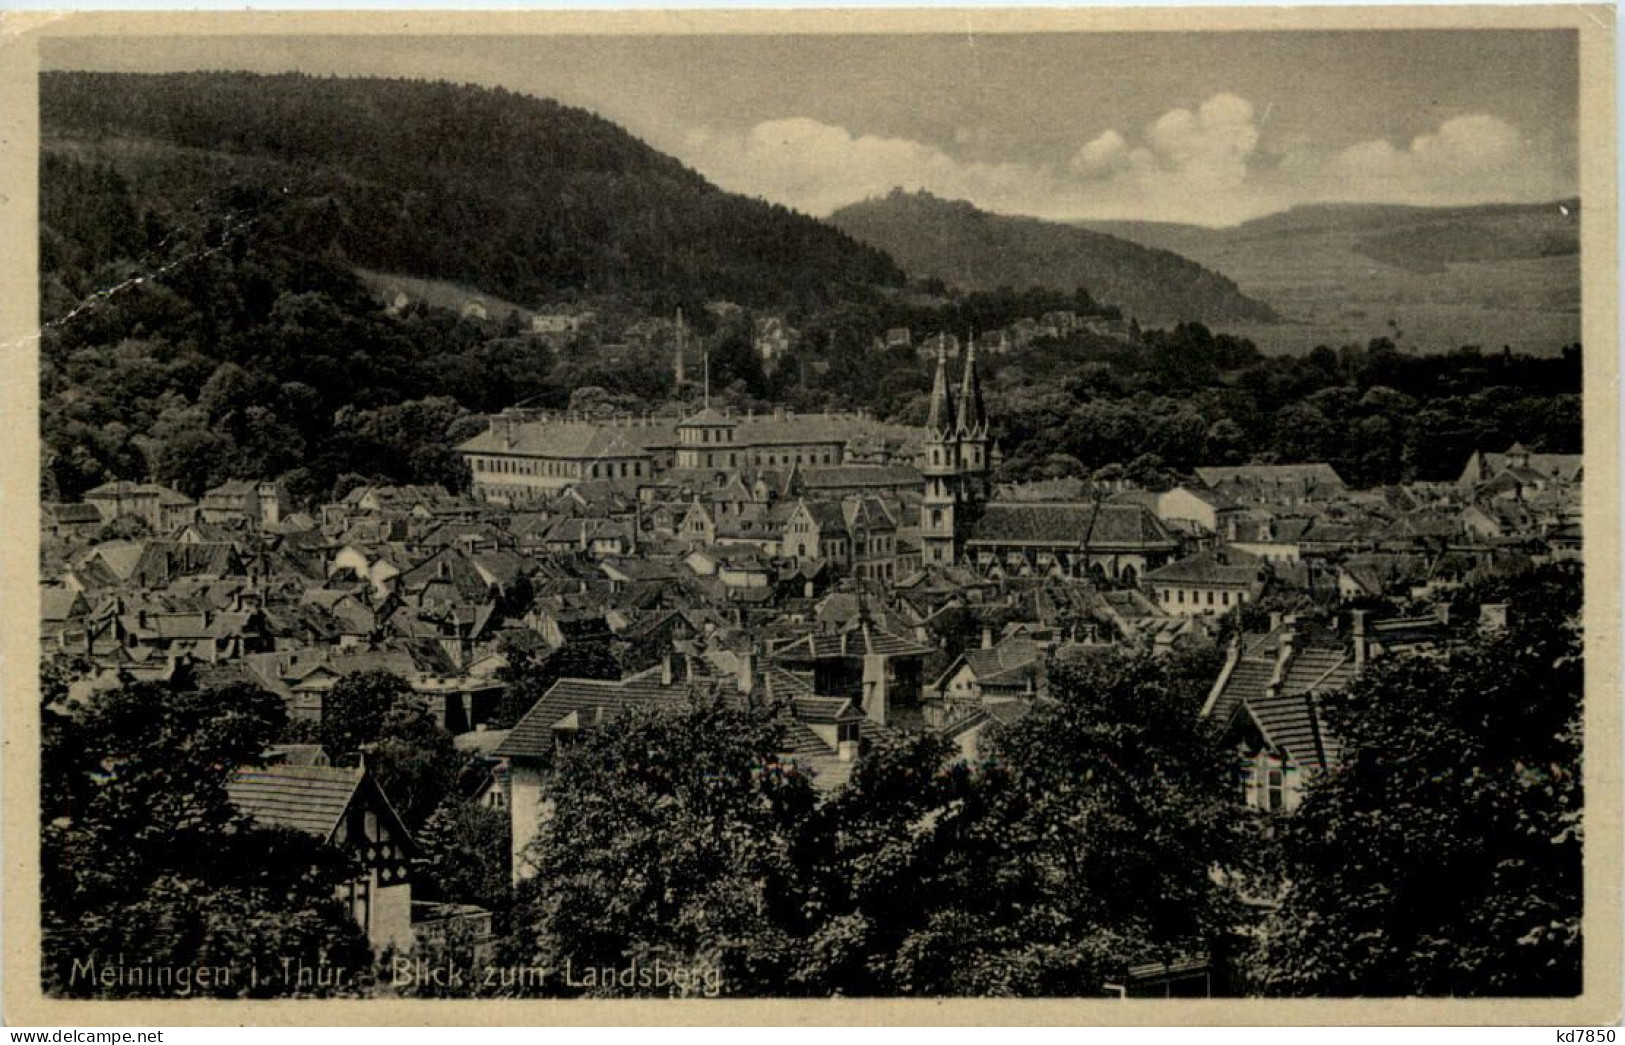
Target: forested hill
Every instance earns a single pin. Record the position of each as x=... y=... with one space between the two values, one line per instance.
x=520 y=197
x=954 y=241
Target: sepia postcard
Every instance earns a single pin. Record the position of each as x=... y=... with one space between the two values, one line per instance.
x=980 y=516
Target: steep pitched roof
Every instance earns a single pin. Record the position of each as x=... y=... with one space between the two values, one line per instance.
x=119 y=557
x=313 y=799
x=59 y=603
x=826 y=515
x=941 y=413
x=860 y=476
x=861 y=639
x=1309 y=476
x=64 y=514
x=1070 y=524
x=1279 y=691
x=126 y=488
x=1206 y=569
x=532 y=736
x=566 y=439
x=972 y=411
x=306 y=798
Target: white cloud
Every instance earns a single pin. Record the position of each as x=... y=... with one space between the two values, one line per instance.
x=1468 y=159
x=1203 y=165
x=1191 y=166
x=1210 y=146
x=1104 y=155
x=818 y=167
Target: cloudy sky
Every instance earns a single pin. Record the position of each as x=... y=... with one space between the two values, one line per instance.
x=1212 y=128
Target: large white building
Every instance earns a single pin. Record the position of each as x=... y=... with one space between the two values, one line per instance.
x=519 y=458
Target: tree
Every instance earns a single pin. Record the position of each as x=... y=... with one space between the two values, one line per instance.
x=145 y=859
x=355 y=710
x=466 y=851
x=885 y=850
x=1226 y=441
x=1444 y=855
x=409 y=753
x=194 y=459
x=124 y=528
x=671 y=837
x=1084 y=843
x=1115 y=807
x=1148 y=471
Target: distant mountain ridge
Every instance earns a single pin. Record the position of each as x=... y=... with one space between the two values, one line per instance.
x=961 y=244
x=521 y=197
x=1419 y=238
x=1490 y=275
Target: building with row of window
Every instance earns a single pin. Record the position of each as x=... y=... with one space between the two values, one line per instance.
x=520 y=458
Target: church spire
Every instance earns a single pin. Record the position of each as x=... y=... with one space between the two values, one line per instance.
x=972 y=411
x=941 y=418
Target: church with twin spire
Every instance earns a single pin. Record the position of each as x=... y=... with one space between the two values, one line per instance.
x=955 y=463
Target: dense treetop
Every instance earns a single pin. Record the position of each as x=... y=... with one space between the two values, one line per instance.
x=955 y=241
x=522 y=197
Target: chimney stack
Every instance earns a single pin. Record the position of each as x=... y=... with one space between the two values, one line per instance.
x=1359 y=639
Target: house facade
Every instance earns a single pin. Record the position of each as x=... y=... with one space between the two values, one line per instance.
x=344 y=808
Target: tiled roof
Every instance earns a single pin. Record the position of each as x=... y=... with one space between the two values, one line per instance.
x=581 y=703
x=1566 y=467
x=1069 y=489
x=532 y=735
x=1248 y=680
x=854 y=476
x=824 y=709
x=1315 y=668
x=1209 y=497
x=119 y=558
x=1012 y=654
x=1105 y=525
x=1205 y=568
x=125 y=488
x=779 y=683
x=1315 y=475
x=1289 y=713
x=1292 y=722
x=306 y=798
x=1008 y=712
x=162 y=560
x=821 y=428
x=861 y=640
x=573 y=440
x=73 y=513
x=58 y=602
x=827 y=515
